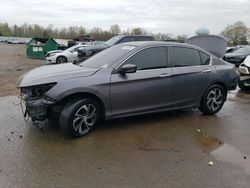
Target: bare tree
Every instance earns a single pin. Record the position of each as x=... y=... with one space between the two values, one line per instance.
x=137 y=31
x=115 y=29
x=236 y=32
x=163 y=36
x=182 y=38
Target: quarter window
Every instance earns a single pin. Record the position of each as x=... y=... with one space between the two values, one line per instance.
x=182 y=57
x=150 y=58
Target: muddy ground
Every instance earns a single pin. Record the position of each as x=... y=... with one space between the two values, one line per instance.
x=13 y=63
x=170 y=149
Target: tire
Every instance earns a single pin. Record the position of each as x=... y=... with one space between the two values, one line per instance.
x=74 y=119
x=213 y=99
x=61 y=59
x=242 y=86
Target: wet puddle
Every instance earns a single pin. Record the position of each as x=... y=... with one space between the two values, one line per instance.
x=207 y=143
x=222 y=152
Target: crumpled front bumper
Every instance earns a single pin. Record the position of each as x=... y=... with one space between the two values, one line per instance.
x=36 y=109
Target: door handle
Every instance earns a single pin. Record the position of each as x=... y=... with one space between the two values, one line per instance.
x=164 y=75
x=206 y=71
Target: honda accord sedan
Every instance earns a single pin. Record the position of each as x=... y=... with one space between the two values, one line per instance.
x=124 y=80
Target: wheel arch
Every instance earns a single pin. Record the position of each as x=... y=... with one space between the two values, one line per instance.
x=223 y=85
x=81 y=95
x=62 y=56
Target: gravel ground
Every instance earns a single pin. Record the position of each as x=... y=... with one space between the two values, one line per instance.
x=14 y=63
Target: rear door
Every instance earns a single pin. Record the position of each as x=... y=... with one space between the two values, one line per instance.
x=191 y=75
x=149 y=88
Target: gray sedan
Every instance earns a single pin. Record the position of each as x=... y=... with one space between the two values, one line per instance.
x=124 y=80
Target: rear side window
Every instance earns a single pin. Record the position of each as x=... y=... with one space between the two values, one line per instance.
x=205 y=59
x=151 y=58
x=182 y=57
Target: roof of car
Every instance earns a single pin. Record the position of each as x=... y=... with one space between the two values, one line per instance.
x=155 y=43
x=134 y=36
x=144 y=44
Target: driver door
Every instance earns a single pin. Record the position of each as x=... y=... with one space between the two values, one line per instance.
x=149 y=88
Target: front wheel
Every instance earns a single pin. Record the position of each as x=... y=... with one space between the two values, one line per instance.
x=242 y=85
x=61 y=59
x=213 y=99
x=79 y=117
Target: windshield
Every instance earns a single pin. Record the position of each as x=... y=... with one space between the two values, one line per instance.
x=112 y=41
x=108 y=57
x=243 y=51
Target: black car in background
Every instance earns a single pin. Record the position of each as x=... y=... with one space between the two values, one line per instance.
x=88 y=51
x=238 y=56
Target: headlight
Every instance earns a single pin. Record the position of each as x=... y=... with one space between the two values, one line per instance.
x=53 y=54
x=37 y=91
x=243 y=69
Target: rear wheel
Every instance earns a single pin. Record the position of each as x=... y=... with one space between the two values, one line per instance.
x=79 y=117
x=213 y=99
x=61 y=59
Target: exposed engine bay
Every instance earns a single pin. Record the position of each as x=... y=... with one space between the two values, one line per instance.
x=36 y=102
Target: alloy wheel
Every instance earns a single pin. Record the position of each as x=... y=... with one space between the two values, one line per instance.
x=61 y=60
x=84 y=118
x=215 y=99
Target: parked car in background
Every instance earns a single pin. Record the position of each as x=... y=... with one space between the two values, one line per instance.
x=124 y=80
x=16 y=41
x=238 y=56
x=244 y=71
x=2 y=40
x=63 y=56
x=232 y=49
x=86 y=52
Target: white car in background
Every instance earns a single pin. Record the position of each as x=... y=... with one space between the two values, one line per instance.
x=63 y=56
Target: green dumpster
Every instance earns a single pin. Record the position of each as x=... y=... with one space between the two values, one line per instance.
x=38 y=47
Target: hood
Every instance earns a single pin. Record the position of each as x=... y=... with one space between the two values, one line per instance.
x=54 y=51
x=214 y=44
x=53 y=73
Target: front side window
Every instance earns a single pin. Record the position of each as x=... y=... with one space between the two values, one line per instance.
x=182 y=57
x=151 y=58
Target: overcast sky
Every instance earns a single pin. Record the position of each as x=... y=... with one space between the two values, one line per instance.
x=169 y=16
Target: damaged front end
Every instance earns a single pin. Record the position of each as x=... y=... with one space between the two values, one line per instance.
x=244 y=74
x=34 y=102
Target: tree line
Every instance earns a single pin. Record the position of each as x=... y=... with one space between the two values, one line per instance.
x=237 y=32
x=72 y=32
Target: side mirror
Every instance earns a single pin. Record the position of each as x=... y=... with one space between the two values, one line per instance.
x=128 y=68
